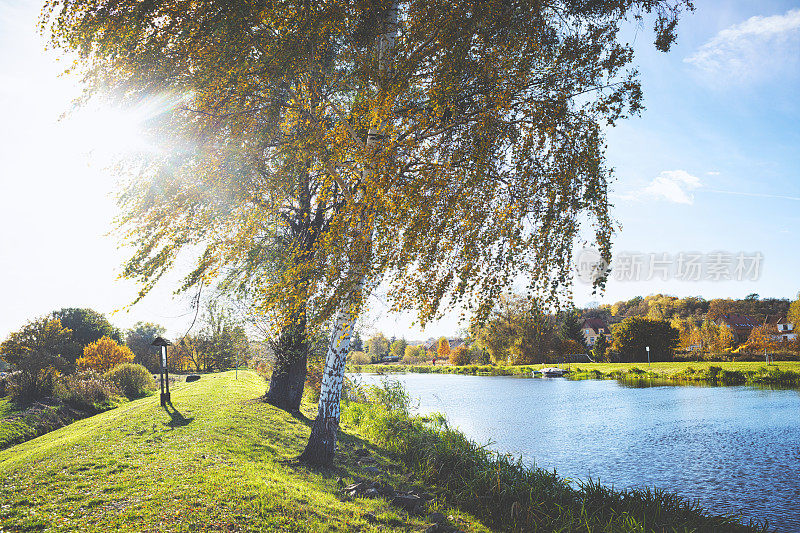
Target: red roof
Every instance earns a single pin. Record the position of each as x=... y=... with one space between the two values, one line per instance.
x=774 y=320
x=597 y=324
x=738 y=321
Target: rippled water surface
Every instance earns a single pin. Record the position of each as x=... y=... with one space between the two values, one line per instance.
x=736 y=449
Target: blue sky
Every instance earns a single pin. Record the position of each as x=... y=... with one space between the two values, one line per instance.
x=712 y=165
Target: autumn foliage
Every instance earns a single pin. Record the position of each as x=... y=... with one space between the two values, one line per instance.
x=103 y=355
x=443 y=350
x=459 y=356
x=762 y=339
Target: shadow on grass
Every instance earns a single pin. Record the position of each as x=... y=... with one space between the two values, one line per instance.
x=176 y=418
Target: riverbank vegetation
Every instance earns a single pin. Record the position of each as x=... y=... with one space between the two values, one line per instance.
x=783 y=373
x=520 y=331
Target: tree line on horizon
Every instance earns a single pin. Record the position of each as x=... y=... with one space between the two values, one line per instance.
x=520 y=331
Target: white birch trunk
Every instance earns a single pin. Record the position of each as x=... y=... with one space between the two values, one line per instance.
x=335 y=359
x=322 y=442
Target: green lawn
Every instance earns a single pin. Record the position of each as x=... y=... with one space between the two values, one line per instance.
x=217 y=461
x=12 y=430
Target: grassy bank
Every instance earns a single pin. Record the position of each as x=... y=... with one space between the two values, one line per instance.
x=784 y=373
x=216 y=461
x=12 y=430
x=508 y=495
x=19 y=424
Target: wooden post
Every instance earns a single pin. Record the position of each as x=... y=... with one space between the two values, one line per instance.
x=164 y=374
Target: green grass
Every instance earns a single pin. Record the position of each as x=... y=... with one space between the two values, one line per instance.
x=785 y=373
x=12 y=430
x=218 y=461
x=18 y=424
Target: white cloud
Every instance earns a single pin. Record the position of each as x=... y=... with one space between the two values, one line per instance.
x=673 y=186
x=757 y=47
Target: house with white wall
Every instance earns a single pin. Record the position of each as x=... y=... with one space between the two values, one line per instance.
x=593 y=328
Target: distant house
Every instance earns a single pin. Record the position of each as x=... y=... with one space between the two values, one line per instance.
x=782 y=329
x=592 y=328
x=740 y=325
x=432 y=343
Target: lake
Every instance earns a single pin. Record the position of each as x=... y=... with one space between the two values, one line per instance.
x=735 y=449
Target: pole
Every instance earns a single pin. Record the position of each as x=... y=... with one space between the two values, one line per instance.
x=648 y=359
x=166 y=372
x=161 y=378
x=163 y=374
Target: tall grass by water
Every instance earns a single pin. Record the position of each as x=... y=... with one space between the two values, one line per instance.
x=508 y=494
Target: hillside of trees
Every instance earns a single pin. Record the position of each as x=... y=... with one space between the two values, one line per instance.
x=665 y=307
x=522 y=331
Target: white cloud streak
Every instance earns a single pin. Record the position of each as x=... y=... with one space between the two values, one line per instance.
x=756 y=48
x=672 y=186
x=756 y=195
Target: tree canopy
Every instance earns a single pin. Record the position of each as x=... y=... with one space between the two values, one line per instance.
x=139 y=339
x=37 y=345
x=488 y=158
x=103 y=355
x=87 y=326
x=632 y=336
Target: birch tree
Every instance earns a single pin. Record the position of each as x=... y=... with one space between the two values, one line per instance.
x=443 y=148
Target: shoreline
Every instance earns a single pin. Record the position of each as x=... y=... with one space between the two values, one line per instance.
x=780 y=373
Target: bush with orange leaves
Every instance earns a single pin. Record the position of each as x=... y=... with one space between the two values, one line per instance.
x=103 y=355
x=459 y=356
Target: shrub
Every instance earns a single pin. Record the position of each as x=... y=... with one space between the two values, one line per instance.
x=85 y=390
x=29 y=385
x=134 y=381
x=732 y=377
x=712 y=372
x=409 y=359
x=4 y=384
x=359 y=358
x=34 y=352
x=103 y=355
x=459 y=356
